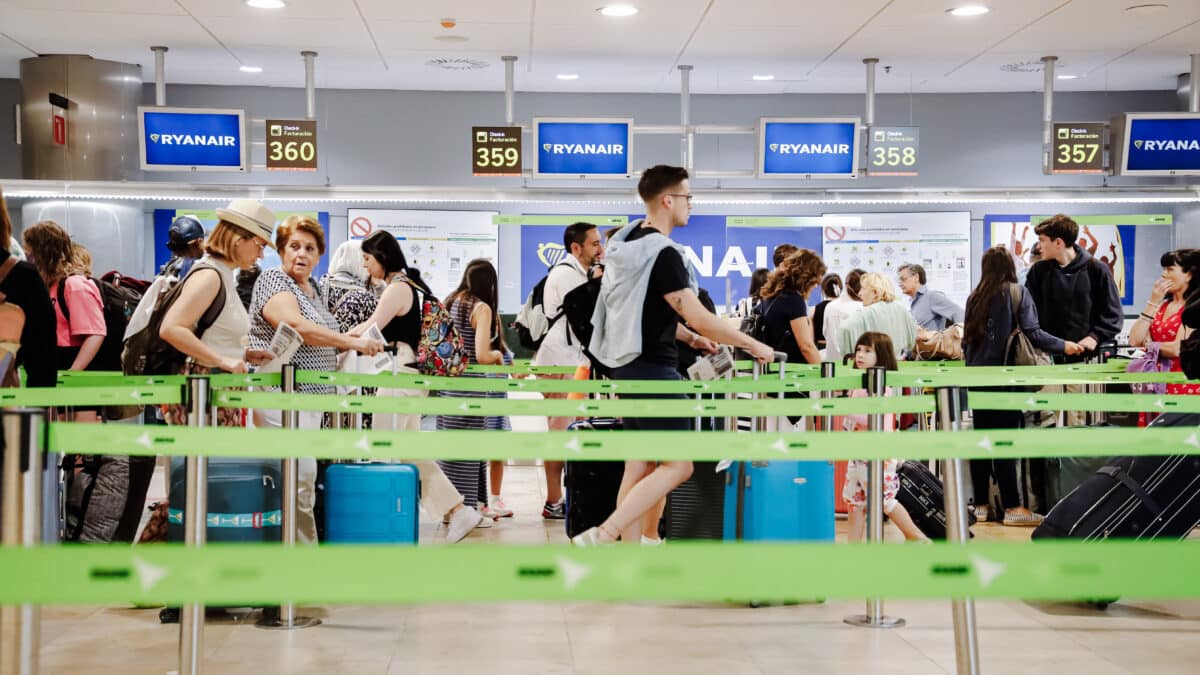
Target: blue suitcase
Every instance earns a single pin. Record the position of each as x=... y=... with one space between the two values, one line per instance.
x=779 y=501
x=371 y=504
x=245 y=500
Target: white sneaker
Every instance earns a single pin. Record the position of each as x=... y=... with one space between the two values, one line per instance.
x=647 y=541
x=589 y=537
x=496 y=509
x=485 y=523
x=462 y=522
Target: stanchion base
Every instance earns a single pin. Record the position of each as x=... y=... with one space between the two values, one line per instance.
x=274 y=623
x=864 y=621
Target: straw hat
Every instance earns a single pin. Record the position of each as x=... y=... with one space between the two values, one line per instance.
x=250 y=216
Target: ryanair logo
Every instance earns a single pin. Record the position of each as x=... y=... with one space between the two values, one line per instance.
x=584 y=148
x=551 y=253
x=1168 y=145
x=194 y=139
x=810 y=148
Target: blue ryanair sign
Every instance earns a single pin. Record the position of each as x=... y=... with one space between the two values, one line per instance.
x=1161 y=144
x=572 y=147
x=808 y=147
x=191 y=139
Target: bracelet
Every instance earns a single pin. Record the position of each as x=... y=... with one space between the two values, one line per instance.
x=1147 y=317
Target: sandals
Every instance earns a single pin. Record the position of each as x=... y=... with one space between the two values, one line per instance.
x=1022 y=519
x=981 y=513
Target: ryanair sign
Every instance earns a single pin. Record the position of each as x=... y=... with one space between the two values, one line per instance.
x=191 y=139
x=1157 y=144
x=808 y=147
x=573 y=147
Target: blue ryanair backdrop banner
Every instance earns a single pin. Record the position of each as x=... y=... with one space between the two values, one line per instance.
x=814 y=147
x=715 y=252
x=179 y=139
x=582 y=148
x=270 y=260
x=1164 y=144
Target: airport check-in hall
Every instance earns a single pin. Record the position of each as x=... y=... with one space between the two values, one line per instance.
x=574 y=338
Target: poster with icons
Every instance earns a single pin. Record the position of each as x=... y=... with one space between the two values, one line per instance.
x=438 y=243
x=939 y=242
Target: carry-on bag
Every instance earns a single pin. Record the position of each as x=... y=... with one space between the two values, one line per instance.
x=591 y=487
x=922 y=494
x=105 y=497
x=779 y=501
x=371 y=503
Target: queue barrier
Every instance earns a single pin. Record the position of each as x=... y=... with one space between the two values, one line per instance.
x=121 y=439
x=710 y=572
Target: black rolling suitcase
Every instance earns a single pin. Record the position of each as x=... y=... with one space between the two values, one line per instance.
x=591 y=486
x=1132 y=497
x=696 y=509
x=922 y=494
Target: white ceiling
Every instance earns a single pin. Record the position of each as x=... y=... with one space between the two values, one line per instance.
x=809 y=45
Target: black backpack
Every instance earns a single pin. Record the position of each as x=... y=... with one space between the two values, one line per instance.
x=119 y=303
x=579 y=304
x=532 y=324
x=145 y=353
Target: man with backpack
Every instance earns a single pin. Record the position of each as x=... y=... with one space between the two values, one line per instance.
x=559 y=346
x=646 y=296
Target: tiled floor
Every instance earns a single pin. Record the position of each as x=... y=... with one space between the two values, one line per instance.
x=1130 y=638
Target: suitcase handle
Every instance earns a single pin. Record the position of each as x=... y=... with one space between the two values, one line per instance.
x=1135 y=487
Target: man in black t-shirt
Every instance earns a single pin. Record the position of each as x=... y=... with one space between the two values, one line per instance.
x=669 y=302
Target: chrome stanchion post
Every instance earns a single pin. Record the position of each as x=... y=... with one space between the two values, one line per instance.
x=20 y=626
x=195 y=523
x=291 y=487
x=875 y=382
x=966 y=639
x=828 y=369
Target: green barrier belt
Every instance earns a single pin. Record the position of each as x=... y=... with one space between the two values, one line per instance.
x=967 y=377
x=233 y=381
x=765 y=385
x=119 y=439
x=59 y=397
x=119 y=380
x=522 y=370
x=257 y=574
x=1106 y=402
x=931 y=368
x=499 y=407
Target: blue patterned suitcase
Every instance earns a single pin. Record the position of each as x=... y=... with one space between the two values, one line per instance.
x=245 y=500
x=779 y=501
x=371 y=504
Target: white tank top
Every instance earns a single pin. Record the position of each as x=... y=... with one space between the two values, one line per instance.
x=227 y=334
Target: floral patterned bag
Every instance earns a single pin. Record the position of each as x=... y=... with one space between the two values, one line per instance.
x=440 y=350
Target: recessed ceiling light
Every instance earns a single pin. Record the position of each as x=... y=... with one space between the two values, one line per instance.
x=762 y=78
x=266 y=4
x=567 y=76
x=1067 y=77
x=250 y=69
x=618 y=10
x=969 y=10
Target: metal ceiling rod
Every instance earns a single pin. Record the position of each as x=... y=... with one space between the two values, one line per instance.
x=160 y=75
x=869 y=118
x=1194 y=95
x=310 y=85
x=685 y=116
x=510 y=63
x=1047 y=108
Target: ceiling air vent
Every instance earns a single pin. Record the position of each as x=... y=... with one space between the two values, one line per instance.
x=447 y=63
x=1024 y=66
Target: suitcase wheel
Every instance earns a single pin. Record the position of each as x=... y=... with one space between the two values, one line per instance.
x=168 y=615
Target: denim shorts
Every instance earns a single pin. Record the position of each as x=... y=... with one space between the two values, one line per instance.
x=637 y=370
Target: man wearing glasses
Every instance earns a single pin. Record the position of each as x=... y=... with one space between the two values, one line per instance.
x=647 y=295
x=932 y=310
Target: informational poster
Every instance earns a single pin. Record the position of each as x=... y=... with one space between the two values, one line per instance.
x=438 y=243
x=939 y=242
x=208 y=218
x=1130 y=245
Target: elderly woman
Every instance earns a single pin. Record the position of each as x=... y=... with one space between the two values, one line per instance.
x=207 y=323
x=881 y=313
x=290 y=295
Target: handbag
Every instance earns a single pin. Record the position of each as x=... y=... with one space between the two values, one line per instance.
x=1150 y=362
x=939 y=345
x=1019 y=351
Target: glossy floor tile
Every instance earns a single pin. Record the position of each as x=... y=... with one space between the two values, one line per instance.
x=1129 y=638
